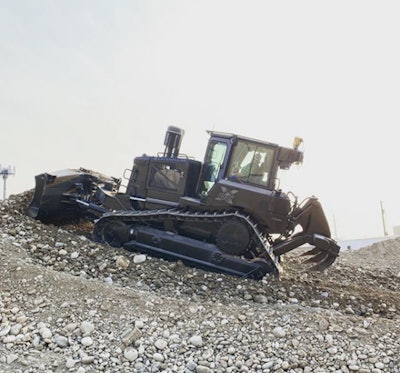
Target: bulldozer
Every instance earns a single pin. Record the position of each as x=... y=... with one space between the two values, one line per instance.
x=226 y=214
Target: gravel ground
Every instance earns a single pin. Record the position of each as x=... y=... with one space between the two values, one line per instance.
x=68 y=304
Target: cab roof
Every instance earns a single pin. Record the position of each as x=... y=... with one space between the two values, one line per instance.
x=228 y=135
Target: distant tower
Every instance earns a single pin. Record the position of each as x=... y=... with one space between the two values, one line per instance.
x=6 y=171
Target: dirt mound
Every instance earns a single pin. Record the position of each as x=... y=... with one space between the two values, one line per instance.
x=383 y=255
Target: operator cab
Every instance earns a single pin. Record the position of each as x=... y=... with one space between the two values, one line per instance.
x=238 y=159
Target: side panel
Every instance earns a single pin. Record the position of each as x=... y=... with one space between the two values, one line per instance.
x=164 y=179
x=269 y=208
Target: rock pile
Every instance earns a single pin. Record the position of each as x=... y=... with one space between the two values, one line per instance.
x=68 y=304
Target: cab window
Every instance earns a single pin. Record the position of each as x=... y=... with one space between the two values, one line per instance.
x=166 y=176
x=251 y=163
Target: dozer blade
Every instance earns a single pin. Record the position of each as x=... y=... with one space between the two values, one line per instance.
x=56 y=195
x=323 y=254
x=50 y=201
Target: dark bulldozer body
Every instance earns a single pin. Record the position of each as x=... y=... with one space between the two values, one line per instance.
x=223 y=215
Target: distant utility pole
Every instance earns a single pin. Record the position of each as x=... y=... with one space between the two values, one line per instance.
x=6 y=172
x=334 y=227
x=383 y=220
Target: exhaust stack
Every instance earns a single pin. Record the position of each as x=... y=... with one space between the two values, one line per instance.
x=172 y=142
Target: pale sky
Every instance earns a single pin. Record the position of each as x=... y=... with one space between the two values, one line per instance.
x=95 y=83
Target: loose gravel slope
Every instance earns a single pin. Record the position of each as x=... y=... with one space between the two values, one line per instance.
x=70 y=305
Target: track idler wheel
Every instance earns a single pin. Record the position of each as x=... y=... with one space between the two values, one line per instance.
x=113 y=233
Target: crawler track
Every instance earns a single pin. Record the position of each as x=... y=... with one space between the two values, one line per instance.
x=259 y=247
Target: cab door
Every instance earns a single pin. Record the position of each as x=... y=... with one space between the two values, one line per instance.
x=215 y=164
